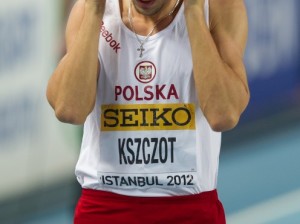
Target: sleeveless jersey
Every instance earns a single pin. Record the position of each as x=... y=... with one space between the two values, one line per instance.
x=147 y=135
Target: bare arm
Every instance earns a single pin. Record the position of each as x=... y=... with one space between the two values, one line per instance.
x=72 y=87
x=219 y=72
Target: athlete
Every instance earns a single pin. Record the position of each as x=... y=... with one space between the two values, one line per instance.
x=155 y=83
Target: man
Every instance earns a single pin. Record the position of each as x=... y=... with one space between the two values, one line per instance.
x=154 y=82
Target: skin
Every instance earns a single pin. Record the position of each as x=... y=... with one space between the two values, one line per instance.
x=144 y=18
x=155 y=10
x=219 y=72
x=72 y=87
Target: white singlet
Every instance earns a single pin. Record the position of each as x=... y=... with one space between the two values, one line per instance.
x=147 y=135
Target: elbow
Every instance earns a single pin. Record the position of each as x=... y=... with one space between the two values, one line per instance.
x=223 y=122
x=70 y=115
x=225 y=119
x=65 y=113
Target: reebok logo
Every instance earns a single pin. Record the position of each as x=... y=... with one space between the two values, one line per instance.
x=109 y=38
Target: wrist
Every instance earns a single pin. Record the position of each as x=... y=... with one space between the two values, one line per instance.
x=194 y=8
x=194 y=12
x=195 y=15
x=95 y=9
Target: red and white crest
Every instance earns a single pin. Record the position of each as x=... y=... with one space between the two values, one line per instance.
x=145 y=71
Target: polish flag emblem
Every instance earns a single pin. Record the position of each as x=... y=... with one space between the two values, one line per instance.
x=145 y=72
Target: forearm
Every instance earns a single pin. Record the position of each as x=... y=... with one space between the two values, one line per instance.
x=221 y=87
x=72 y=88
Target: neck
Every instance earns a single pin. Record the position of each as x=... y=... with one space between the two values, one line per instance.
x=155 y=13
x=143 y=23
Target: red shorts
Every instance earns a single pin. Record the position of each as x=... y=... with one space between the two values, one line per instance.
x=97 y=207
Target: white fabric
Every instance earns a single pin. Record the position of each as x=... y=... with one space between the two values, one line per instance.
x=147 y=135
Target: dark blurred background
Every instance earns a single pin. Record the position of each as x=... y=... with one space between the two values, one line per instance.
x=259 y=177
